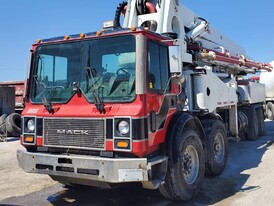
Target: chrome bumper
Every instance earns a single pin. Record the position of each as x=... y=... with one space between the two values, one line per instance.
x=85 y=167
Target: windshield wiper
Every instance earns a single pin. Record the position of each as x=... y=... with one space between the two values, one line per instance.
x=97 y=101
x=47 y=104
x=90 y=72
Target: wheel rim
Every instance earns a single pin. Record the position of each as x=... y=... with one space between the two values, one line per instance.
x=269 y=113
x=219 y=147
x=190 y=164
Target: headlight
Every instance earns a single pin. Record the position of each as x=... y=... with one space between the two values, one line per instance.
x=123 y=127
x=31 y=125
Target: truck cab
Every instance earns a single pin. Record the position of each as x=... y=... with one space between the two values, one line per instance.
x=105 y=95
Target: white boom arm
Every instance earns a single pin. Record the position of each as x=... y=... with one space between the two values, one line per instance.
x=209 y=49
x=173 y=17
x=170 y=16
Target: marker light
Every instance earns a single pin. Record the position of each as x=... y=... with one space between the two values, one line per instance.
x=122 y=144
x=82 y=35
x=29 y=139
x=38 y=41
x=66 y=37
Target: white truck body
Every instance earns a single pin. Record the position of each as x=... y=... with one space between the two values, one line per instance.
x=267 y=78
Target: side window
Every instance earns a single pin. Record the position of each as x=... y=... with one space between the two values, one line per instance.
x=164 y=69
x=158 y=71
x=153 y=67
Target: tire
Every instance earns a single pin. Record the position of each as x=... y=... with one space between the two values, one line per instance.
x=13 y=125
x=3 y=118
x=2 y=124
x=166 y=189
x=260 y=115
x=270 y=111
x=186 y=169
x=216 y=146
x=253 y=131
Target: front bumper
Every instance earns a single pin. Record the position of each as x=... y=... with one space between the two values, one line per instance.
x=85 y=167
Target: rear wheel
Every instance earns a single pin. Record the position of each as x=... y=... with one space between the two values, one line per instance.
x=270 y=110
x=260 y=115
x=253 y=131
x=216 y=146
x=186 y=170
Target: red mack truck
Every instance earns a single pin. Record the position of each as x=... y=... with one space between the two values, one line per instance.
x=153 y=101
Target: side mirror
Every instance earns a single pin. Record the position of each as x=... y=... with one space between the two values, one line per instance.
x=175 y=61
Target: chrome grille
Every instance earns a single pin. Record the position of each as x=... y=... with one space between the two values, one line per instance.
x=75 y=133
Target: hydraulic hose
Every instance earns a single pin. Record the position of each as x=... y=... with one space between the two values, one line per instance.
x=118 y=12
x=140 y=6
x=144 y=7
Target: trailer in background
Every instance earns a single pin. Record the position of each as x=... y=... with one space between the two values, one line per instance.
x=19 y=93
x=11 y=106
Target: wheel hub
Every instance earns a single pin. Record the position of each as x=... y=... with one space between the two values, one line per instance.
x=187 y=164
x=218 y=147
x=190 y=164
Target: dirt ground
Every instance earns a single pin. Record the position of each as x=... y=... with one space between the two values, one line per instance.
x=13 y=180
x=247 y=180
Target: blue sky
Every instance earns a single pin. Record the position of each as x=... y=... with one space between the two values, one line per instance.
x=249 y=23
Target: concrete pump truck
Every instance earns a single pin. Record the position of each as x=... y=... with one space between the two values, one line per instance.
x=153 y=101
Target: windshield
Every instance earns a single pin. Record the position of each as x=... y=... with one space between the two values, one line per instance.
x=99 y=68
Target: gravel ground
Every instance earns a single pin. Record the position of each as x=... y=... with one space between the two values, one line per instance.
x=247 y=180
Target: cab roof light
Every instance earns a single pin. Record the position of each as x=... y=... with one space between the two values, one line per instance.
x=38 y=41
x=66 y=37
x=108 y=25
x=82 y=35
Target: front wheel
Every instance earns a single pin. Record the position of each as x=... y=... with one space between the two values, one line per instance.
x=186 y=170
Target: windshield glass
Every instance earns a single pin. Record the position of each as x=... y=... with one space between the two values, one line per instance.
x=99 y=68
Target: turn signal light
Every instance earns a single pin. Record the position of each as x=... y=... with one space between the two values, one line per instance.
x=122 y=144
x=29 y=139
